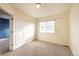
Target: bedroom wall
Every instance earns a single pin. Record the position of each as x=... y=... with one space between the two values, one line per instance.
x=61 y=35
x=74 y=29
x=24 y=32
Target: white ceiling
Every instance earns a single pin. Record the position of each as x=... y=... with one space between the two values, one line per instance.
x=45 y=10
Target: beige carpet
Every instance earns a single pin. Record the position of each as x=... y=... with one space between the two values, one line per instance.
x=40 y=48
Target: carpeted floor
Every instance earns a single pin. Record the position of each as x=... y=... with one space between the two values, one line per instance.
x=40 y=48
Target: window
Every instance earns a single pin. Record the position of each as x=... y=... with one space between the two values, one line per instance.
x=47 y=27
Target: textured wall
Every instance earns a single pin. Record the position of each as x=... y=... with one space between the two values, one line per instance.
x=74 y=29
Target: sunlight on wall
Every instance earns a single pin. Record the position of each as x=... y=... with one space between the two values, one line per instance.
x=29 y=31
x=23 y=32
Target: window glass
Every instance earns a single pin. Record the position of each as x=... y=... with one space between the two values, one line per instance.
x=47 y=26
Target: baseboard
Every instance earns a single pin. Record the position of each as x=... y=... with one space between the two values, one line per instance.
x=55 y=43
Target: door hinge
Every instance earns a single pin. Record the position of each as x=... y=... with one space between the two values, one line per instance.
x=11 y=31
x=11 y=18
x=11 y=44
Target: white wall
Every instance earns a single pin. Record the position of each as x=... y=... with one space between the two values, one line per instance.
x=74 y=29
x=23 y=32
x=61 y=35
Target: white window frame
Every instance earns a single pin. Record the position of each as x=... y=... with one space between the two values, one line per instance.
x=47 y=28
